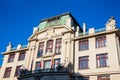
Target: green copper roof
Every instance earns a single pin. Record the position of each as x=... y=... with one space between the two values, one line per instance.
x=60 y=20
x=57 y=20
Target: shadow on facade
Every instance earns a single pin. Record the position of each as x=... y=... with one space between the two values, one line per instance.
x=59 y=73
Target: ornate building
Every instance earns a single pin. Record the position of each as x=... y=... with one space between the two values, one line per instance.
x=59 y=49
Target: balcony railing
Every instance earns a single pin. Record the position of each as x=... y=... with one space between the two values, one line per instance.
x=100 y=30
x=42 y=71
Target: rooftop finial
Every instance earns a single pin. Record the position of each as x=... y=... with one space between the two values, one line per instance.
x=9 y=43
x=111 y=23
x=9 y=46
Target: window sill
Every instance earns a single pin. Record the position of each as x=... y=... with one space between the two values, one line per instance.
x=100 y=47
x=83 y=49
x=57 y=53
x=6 y=77
x=103 y=67
x=10 y=62
x=20 y=60
x=39 y=56
x=83 y=68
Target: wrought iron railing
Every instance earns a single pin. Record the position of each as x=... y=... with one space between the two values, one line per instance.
x=42 y=71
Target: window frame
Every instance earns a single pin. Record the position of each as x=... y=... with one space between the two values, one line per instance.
x=36 y=65
x=40 y=49
x=83 y=44
x=7 y=72
x=58 y=46
x=49 y=46
x=22 y=56
x=84 y=62
x=101 y=77
x=11 y=57
x=47 y=61
x=100 y=41
x=102 y=57
x=17 y=71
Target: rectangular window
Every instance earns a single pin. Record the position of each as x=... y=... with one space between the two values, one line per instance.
x=7 y=72
x=17 y=72
x=83 y=62
x=58 y=46
x=11 y=57
x=40 y=50
x=103 y=77
x=56 y=64
x=100 y=41
x=83 y=44
x=102 y=60
x=47 y=64
x=38 y=65
x=22 y=55
x=49 y=47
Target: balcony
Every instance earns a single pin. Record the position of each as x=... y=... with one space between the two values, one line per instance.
x=46 y=74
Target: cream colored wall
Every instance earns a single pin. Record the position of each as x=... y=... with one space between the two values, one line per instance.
x=11 y=64
x=111 y=49
x=55 y=33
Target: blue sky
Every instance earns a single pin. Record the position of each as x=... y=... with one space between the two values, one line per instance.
x=18 y=17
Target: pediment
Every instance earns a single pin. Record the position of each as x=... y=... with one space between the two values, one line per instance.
x=49 y=32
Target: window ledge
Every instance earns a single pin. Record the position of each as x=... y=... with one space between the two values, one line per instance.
x=103 y=67
x=84 y=69
x=84 y=50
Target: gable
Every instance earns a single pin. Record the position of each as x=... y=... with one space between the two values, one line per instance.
x=49 y=32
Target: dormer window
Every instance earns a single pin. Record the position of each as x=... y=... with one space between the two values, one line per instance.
x=53 y=19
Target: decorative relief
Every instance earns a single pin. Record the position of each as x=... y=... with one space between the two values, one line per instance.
x=111 y=23
x=50 y=33
x=48 y=54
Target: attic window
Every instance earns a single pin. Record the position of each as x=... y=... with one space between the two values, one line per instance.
x=53 y=19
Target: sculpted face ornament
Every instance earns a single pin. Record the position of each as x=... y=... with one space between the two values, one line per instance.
x=111 y=23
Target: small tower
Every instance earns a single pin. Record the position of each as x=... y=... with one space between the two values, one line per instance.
x=111 y=24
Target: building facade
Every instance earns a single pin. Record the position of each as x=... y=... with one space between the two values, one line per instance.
x=59 y=49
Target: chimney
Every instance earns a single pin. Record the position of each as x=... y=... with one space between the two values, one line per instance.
x=84 y=28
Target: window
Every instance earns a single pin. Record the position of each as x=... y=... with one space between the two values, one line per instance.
x=100 y=41
x=56 y=64
x=102 y=60
x=22 y=56
x=11 y=57
x=83 y=62
x=47 y=64
x=17 y=72
x=7 y=72
x=58 y=46
x=40 y=50
x=83 y=45
x=103 y=77
x=49 y=47
x=38 y=65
